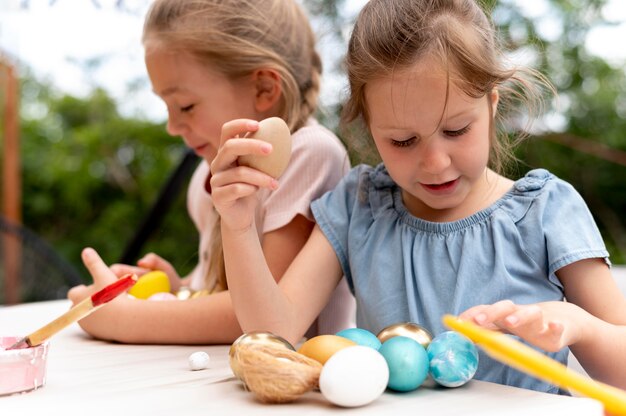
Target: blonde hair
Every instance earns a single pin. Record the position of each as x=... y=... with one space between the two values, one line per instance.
x=237 y=37
x=391 y=36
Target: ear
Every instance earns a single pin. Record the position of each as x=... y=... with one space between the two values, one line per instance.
x=268 y=89
x=494 y=98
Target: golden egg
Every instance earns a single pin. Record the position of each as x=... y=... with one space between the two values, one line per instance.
x=406 y=329
x=322 y=347
x=255 y=337
x=273 y=130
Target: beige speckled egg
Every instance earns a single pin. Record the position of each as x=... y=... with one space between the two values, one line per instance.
x=273 y=130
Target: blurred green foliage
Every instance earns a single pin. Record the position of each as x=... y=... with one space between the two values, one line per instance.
x=90 y=177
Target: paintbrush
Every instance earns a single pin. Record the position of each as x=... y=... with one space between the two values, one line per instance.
x=78 y=312
x=524 y=358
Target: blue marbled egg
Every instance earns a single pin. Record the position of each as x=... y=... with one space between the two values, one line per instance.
x=407 y=361
x=361 y=337
x=453 y=359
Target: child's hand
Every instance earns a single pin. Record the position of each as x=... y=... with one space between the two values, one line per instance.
x=549 y=325
x=152 y=261
x=102 y=276
x=233 y=187
x=98 y=323
x=147 y=263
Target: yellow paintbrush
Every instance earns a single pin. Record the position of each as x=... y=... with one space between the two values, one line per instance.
x=520 y=356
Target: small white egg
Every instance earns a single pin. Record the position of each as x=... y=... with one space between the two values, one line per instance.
x=199 y=360
x=354 y=376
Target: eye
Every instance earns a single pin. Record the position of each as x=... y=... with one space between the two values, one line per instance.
x=457 y=133
x=187 y=108
x=403 y=143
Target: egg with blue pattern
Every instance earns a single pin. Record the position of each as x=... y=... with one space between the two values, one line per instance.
x=453 y=359
x=361 y=337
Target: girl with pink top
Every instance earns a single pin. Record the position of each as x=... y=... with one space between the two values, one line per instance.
x=210 y=62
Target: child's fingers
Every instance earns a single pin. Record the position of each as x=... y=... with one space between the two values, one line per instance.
x=237 y=128
x=99 y=271
x=228 y=195
x=526 y=321
x=242 y=181
x=152 y=261
x=229 y=152
x=491 y=316
x=123 y=269
x=78 y=293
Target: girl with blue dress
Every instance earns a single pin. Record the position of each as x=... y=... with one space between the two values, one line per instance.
x=435 y=228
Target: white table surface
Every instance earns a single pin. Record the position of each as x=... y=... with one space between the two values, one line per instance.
x=89 y=377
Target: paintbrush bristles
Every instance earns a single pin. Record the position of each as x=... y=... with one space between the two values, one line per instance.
x=275 y=374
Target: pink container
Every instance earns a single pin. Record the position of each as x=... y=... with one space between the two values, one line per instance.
x=21 y=370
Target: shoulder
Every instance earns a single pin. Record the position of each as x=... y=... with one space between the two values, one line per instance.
x=546 y=191
x=314 y=137
x=361 y=185
x=538 y=181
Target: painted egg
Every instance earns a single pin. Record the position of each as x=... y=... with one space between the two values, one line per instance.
x=408 y=363
x=361 y=337
x=199 y=360
x=150 y=283
x=406 y=329
x=275 y=131
x=255 y=337
x=453 y=359
x=322 y=347
x=354 y=376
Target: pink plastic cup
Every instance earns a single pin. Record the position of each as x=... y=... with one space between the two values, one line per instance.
x=21 y=370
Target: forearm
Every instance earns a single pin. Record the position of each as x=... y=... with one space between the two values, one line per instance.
x=206 y=320
x=601 y=352
x=258 y=301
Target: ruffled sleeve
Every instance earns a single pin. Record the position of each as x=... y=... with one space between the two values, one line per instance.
x=559 y=227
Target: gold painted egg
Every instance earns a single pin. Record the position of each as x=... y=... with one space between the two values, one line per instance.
x=257 y=338
x=406 y=329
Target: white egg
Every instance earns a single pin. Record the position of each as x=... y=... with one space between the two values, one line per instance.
x=354 y=376
x=199 y=360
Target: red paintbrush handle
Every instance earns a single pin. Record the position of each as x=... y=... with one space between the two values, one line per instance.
x=113 y=290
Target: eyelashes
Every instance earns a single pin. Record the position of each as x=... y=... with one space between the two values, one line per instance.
x=411 y=140
x=449 y=133
x=457 y=133
x=404 y=143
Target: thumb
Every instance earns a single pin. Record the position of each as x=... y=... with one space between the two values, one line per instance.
x=100 y=272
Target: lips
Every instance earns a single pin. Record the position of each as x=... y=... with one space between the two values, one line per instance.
x=440 y=188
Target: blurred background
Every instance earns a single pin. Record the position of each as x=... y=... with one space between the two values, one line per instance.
x=85 y=155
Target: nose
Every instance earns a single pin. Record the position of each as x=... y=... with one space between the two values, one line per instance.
x=175 y=126
x=433 y=157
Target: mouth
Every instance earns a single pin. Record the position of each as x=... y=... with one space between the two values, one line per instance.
x=200 y=148
x=440 y=187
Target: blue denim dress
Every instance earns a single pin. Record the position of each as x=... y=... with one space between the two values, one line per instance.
x=402 y=268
